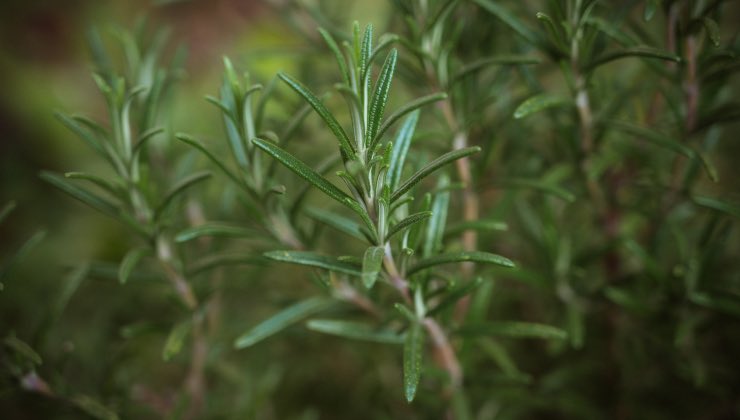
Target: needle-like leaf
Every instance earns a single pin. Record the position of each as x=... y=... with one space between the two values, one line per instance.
x=178 y=189
x=380 y=97
x=408 y=222
x=175 y=340
x=323 y=112
x=408 y=108
x=282 y=320
x=431 y=167
x=216 y=229
x=538 y=103
x=312 y=259
x=646 y=52
x=412 y=355
x=516 y=329
x=129 y=262
x=354 y=331
x=469 y=256
x=372 y=262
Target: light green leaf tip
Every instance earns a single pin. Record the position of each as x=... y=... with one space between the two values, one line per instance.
x=412 y=357
x=538 y=103
x=371 y=265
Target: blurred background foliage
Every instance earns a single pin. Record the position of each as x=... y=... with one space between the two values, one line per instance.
x=641 y=345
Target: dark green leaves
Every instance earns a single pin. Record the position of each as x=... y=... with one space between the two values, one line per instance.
x=178 y=189
x=372 y=262
x=282 y=320
x=712 y=30
x=431 y=167
x=92 y=200
x=323 y=112
x=646 y=52
x=214 y=229
x=400 y=149
x=380 y=97
x=129 y=262
x=305 y=172
x=515 y=329
x=538 y=103
x=354 y=331
x=471 y=256
x=312 y=259
x=412 y=356
x=175 y=340
x=337 y=54
x=408 y=108
x=408 y=222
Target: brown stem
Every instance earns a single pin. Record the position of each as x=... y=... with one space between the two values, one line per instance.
x=445 y=353
x=195 y=382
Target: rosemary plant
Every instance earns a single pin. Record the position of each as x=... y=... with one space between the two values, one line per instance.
x=590 y=142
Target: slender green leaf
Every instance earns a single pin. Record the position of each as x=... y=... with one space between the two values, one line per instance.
x=129 y=262
x=406 y=109
x=408 y=222
x=306 y=172
x=436 y=226
x=366 y=48
x=400 y=149
x=455 y=295
x=477 y=225
x=354 y=331
x=413 y=349
x=337 y=54
x=93 y=408
x=21 y=348
x=501 y=357
x=517 y=329
x=650 y=7
x=71 y=283
x=505 y=60
x=371 y=265
x=312 y=259
x=336 y=221
x=717 y=205
x=543 y=186
x=712 y=30
x=470 y=256
x=323 y=112
x=195 y=143
x=82 y=133
x=431 y=167
x=539 y=102
x=112 y=189
x=553 y=30
x=7 y=209
x=178 y=189
x=641 y=51
x=380 y=96
x=666 y=142
x=406 y=312
x=613 y=30
x=10 y=263
x=222 y=260
x=92 y=200
x=215 y=229
x=722 y=303
x=175 y=340
x=283 y=319
x=503 y=13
